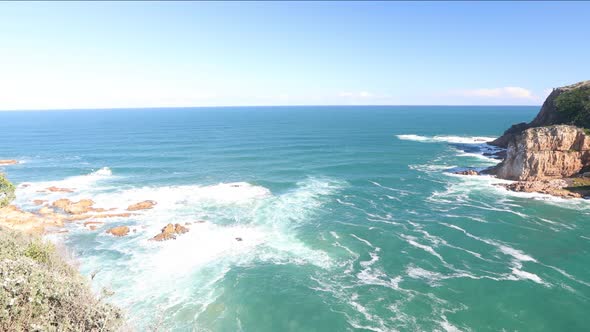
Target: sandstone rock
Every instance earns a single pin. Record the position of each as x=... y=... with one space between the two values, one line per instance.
x=549 y=187
x=141 y=206
x=14 y=218
x=119 y=231
x=82 y=206
x=169 y=232
x=60 y=190
x=545 y=153
x=467 y=172
x=8 y=162
x=39 y=201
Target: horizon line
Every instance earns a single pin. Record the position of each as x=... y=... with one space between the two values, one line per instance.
x=250 y=106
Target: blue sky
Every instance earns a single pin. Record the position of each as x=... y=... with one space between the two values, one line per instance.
x=156 y=54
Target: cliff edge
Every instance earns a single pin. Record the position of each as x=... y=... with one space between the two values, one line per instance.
x=565 y=105
x=551 y=154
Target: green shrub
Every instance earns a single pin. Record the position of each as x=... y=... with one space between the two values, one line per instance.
x=574 y=105
x=39 y=291
x=6 y=191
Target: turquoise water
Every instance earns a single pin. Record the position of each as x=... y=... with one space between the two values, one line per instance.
x=349 y=216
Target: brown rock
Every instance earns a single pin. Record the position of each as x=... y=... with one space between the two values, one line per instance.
x=550 y=187
x=60 y=190
x=8 y=162
x=82 y=206
x=141 y=206
x=119 y=231
x=39 y=201
x=14 y=218
x=169 y=232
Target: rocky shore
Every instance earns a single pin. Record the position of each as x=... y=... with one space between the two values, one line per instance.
x=551 y=154
x=51 y=217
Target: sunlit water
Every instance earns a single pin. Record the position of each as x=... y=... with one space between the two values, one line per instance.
x=350 y=218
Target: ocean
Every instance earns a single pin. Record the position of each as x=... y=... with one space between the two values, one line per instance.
x=350 y=218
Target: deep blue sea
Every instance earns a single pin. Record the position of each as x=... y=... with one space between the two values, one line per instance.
x=350 y=218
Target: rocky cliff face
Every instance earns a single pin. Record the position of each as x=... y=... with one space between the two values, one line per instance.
x=550 y=113
x=545 y=153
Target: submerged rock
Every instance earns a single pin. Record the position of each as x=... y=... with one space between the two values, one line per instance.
x=169 y=232
x=8 y=162
x=142 y=205
x=119 y=231
x=39 y=201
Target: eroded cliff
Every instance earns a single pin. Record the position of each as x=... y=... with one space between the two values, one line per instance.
x=542 y=153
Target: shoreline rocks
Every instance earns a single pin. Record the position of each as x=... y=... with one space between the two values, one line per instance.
x=548 y=187
x=4 y=162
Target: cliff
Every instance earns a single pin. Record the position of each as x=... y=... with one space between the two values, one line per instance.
x=551 y=154
x=542 y=153
x=565 y=105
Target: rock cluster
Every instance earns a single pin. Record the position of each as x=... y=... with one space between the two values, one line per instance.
x=169 y=232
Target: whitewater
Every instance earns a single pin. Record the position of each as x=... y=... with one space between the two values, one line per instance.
x=348 y=218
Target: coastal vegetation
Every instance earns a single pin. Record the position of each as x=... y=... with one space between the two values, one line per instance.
x=6 y=191
x=574 y=106
x=40 y=291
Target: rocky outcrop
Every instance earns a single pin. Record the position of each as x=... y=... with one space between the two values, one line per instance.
x=550 y=114
x=545 y=153
x=119 y=231
x=142 y=206
x=169 y=232
x=15 y=218
x=550 y=187
x=8 y=162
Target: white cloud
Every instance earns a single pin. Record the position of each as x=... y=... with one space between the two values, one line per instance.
x=512 y=92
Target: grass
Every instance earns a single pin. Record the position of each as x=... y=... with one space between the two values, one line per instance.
x=39 y=291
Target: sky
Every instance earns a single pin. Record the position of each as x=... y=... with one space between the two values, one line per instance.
x=73 y=55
